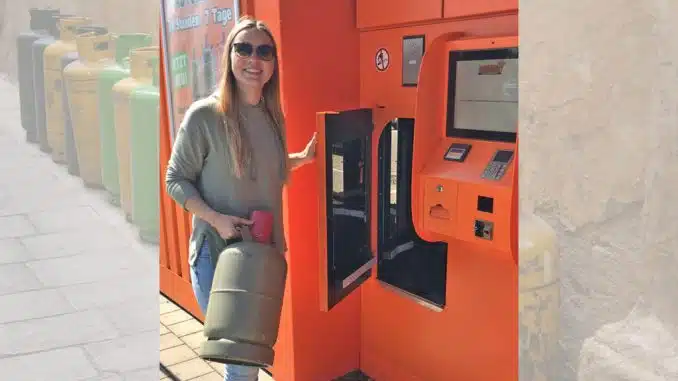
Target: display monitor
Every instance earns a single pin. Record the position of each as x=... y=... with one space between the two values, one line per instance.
x=482 y=100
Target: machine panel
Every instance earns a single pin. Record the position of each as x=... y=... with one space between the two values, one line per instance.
x=465 y=186
x=377 y=13
x=344 y=149
x=457 y=8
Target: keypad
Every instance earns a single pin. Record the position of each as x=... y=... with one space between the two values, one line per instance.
x=494 y=171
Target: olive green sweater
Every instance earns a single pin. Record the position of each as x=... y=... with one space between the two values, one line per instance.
x=200 y=166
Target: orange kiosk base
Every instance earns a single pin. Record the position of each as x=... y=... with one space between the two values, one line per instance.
x=406 y=266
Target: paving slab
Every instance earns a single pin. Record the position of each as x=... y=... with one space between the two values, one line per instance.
x=78 y=290
x=70 y=364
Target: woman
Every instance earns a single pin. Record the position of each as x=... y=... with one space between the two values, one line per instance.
x=230 y=157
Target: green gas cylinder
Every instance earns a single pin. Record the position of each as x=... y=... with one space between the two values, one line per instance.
x=81 y=77
x=108 y=77
x=538 y=299
x=144 y=141
x=141 y=73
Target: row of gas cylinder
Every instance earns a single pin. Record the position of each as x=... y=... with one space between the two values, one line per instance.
x=90 y=99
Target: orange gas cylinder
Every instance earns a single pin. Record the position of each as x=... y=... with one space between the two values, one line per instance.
x=54 y=108
x=81 y=77
x=142 y=63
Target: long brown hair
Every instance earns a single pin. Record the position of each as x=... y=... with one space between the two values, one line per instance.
x=228 y=105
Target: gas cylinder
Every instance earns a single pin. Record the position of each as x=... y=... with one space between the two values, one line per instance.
x=539 y=298
x=108 y=77
x=51 y=132
x=69 y=139
x=43 y=23
x=243 y=315
x=144 y=141
x=81 y=79
x=40 y=82
x=141 y=73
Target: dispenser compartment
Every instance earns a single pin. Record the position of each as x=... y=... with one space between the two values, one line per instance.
x=406 y=262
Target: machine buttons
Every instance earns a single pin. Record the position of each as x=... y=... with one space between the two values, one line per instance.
x=483 y=229
x=496 y=169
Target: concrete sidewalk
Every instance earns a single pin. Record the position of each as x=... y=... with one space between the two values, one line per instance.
x=78 y=291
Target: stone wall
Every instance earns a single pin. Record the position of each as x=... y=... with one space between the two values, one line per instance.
x=599 y=116
x=120 y=16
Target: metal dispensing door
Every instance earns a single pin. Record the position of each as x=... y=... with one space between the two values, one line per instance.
x=343 y=157
x=186 y=27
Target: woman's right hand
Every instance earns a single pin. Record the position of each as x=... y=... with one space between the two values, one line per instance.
x=227 y=226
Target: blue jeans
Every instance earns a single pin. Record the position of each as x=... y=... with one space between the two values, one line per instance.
x=202 y=273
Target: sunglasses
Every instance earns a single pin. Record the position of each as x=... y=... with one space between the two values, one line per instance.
x=245 y=49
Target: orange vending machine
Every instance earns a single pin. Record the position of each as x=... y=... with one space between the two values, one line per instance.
x=417 y=212
x=402 y=235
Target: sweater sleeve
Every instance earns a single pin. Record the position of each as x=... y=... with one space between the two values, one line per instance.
x=188 y=154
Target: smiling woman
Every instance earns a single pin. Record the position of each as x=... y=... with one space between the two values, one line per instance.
x=230 y=159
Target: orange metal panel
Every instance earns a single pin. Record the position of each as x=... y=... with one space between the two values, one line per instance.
x=172 y=284
x=379 y=13
x=465 y=8
x=320 y=72
x=515 y=207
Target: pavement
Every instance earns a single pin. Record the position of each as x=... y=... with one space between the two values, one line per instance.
x=78 y=290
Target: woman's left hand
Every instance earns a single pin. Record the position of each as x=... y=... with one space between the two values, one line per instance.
x=309 y=151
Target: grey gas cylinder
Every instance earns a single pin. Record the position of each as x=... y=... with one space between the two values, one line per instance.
x=243 y=314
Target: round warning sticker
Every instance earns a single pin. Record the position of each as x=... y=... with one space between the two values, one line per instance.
x=382 y=59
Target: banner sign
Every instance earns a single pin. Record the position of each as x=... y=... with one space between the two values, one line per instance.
x=194 y=35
